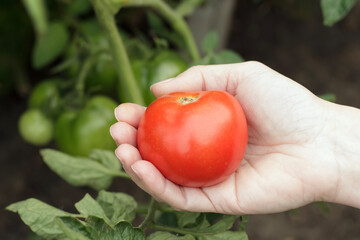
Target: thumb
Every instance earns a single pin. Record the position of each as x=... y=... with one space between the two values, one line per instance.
x=197 y=78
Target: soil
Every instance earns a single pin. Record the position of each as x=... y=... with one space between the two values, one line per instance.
x=287 y=36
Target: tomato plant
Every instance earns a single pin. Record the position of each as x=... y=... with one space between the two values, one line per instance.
x=195 y=139
x=78 y=132
x=200 y=142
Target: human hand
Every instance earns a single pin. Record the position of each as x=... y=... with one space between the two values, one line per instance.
x=288 y=161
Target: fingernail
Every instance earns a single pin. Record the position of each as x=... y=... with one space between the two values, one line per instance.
x=135 y=171
x=111 y=133
x=120 y=159
x=115 y=114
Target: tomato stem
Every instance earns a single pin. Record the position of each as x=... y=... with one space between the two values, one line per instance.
x=80 y=84
x=105 y=14
x=150 y=215
x=173 y=17
x=187 y=100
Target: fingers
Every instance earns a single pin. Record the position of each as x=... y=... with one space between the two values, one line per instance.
x=149 y=178
x=211 y=77
x=123 y=133
x=129 y=113
x=128 y=155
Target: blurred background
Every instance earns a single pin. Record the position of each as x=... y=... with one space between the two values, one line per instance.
x=287 y=35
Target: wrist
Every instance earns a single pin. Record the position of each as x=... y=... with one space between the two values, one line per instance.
x=344 y=136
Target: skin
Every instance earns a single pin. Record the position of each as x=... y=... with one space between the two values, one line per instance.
x=301 y=148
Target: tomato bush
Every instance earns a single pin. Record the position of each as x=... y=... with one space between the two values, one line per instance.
x=200 y=142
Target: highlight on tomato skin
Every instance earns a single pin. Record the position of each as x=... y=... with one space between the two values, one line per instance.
x=195 y=139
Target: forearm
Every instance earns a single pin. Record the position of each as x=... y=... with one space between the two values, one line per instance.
x=346 y=146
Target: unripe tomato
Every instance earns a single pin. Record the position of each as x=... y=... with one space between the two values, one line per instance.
x=45 y=95
x=35 y=127
x=79 y=132
x=195 y=139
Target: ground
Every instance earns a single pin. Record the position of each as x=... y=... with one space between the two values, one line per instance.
x=289 y=38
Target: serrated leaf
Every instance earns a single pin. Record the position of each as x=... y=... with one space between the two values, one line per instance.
x=328 y=97
x=210 y=42
x=72 y=228
x=226 y=57
x=117 y=206
x=106 y=158
x=38 y=14
x=78 y=171
x=168 y=236
x=50 y=45
x=229 y=235
x=122 y=231
x=335 y=10
x=186 y=218
x=222 y=225
x=88 y=206
x=40 y=217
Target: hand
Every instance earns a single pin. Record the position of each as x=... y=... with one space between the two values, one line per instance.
x=288 y=162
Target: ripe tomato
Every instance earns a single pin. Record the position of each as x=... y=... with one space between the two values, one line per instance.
x=195 y=139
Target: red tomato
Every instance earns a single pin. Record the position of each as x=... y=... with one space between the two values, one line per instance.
x=195 y=139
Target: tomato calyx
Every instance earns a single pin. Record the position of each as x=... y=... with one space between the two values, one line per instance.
x=188 y=99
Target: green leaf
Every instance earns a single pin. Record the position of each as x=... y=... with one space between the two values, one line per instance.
x=79 y=7
x=168 y=236
x=186 y=218
x=40 y=217
x=122 y=231
x=38 y=14
x=106 y=158
x=243 y=223
x=117 y=206
x=222 y=225
x=335 y=10
x=226 y=57
x=167 y=219
x=73 y=228
x=78 y=171
x=186 y=8
x=159 y=28
x=88 y=206
x=225 y=235
x=50 y=45
x=210 y=42
x=328 y=97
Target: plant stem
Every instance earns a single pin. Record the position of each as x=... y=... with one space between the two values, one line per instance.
x=80 y=84
x=174 y=18
x=121 y=59
x=150 y=215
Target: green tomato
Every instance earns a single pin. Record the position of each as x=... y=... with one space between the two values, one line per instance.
x=45 y=95
x=78 y=132
x=35 y=127
x=167 y=64
x=103 y=77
